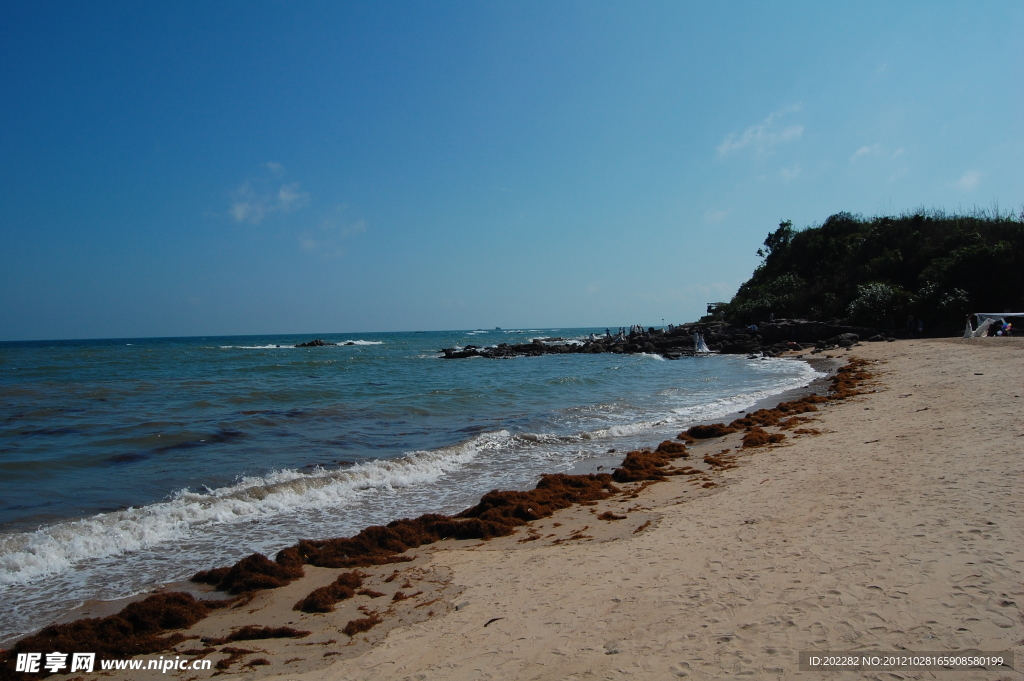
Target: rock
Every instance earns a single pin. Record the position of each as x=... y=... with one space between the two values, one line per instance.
x=771 y=338
x=316 y=343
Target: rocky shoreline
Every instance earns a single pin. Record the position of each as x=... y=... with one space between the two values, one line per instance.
x=769 y=339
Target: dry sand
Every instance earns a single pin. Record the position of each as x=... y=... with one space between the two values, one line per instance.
x=899 y=526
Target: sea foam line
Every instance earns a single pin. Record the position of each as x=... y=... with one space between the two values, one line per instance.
x=273 y=346
x=29 y=556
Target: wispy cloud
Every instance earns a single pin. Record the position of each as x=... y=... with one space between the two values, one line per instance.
x=763 y=136
x=876 y=150
x=261 y=196
x=790 y=174
x=867 y=150
x=715 y=216
x=968 y=181
x=258 y=197
x=329 y=236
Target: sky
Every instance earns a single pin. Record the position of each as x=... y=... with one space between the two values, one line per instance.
x=195 y=168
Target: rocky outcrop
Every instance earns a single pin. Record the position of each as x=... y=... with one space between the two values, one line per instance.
x=770 y=339
x=317 y=343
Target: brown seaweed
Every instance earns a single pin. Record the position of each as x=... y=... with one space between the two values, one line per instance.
x=252 y=632
x=234 y=655
x=324 y=598
x=706 y=432
x=254 y=573
x=136 y=630
x=758 y=437
x=648 y=465
x=358 y=626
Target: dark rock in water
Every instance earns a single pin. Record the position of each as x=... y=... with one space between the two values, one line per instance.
x=771 y=339
x=317 y=343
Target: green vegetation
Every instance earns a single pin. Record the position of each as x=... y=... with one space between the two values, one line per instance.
x=876 y=272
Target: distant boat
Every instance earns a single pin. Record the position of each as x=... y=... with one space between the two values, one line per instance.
x=497 y=328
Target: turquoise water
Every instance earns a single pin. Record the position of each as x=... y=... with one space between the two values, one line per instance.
x=125 y=463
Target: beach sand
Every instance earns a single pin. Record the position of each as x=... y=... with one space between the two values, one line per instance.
x=898 y=526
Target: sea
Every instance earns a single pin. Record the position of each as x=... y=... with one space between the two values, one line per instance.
x=130 y=463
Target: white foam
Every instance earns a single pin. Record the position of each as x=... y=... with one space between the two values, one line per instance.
x=29 y=556
x=291 y=346
x=255 y=347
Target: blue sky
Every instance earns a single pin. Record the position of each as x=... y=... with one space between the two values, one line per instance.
x=240 y=167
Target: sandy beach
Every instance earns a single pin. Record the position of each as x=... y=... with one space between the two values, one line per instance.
x=892 y=522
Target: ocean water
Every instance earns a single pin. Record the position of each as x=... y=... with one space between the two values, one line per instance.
x=127 y=463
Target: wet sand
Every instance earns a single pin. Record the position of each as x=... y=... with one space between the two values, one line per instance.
x=894 y=522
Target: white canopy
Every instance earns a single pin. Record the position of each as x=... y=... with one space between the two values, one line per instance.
x=982 y=316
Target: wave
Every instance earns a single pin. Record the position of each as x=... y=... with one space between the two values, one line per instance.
x=272 y=346
x=29 y=556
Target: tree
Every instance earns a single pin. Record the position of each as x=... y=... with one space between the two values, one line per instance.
x=779 y=239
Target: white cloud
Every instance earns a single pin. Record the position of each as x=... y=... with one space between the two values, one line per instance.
x=790 y=174
x=763 y=136
x=868 y=150
x=274 y=167
x=247 y=205
x=328 y=237
x=899 y=152
x=968 y=181
x=290 y=198
x=256 y=198
x=715 y=216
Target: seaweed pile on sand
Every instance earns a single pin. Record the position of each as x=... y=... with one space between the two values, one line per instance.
x=324 y=598
x=252 y=632
x=846 y=383
x=497 y=515
x=138 y=629
x=647 y=465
